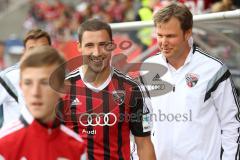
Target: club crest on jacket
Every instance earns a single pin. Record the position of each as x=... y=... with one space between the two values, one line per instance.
x=191 y=79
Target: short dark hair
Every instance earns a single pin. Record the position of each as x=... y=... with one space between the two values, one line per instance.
x=177 y=10
x=93 y=25
x=45 y=56
x=36 y=34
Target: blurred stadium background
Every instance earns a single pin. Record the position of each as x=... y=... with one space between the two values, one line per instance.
x=61 y=18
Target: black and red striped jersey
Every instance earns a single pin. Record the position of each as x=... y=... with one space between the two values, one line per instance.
x=105 y=116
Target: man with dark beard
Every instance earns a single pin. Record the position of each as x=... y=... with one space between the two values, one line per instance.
x=103 y=104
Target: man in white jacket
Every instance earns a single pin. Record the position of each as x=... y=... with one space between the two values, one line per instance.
x=199 y=118
x=11 y=100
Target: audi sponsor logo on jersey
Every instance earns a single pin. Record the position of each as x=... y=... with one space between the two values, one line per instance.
x=97 y=119
x=91 y=132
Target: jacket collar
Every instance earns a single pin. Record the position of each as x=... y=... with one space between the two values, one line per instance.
x=26 y=118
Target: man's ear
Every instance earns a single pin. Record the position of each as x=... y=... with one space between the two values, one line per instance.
x=79 y=47
x=188 y=34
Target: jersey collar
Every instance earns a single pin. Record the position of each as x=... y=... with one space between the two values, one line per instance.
x=101 y=87
x=26 y=118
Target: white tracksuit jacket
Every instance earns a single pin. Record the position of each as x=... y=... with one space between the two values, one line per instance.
x=9 y=94
x=198 y=118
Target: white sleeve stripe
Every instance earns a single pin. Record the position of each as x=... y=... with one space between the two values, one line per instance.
x=8 y=130
x=1 y=157
x=71 y=133
x=73 y=74
x=84 y=156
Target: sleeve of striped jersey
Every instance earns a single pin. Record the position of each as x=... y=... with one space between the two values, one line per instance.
x=227 y=106
x=140 y=123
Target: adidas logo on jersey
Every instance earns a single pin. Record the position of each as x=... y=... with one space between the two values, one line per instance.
x=156 y=78
x=76 y=102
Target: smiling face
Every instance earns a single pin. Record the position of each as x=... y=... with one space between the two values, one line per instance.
x=173 y=41
x=40 y=98
x=93 y=49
